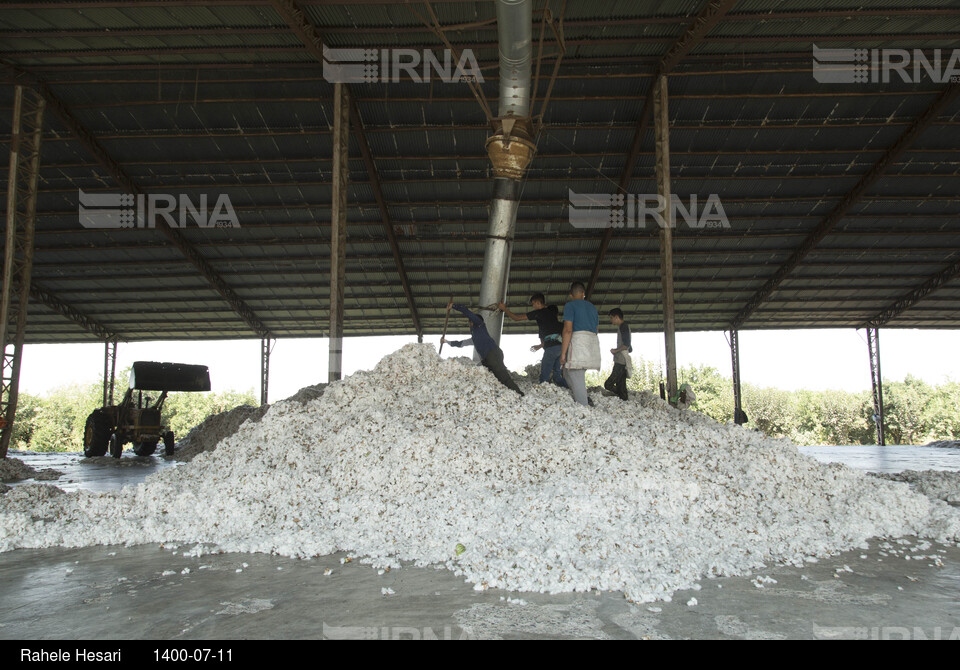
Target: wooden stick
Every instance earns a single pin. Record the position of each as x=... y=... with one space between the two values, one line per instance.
x=445 y=322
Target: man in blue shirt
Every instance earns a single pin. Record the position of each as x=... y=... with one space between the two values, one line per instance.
x=580 y=345
x=490 y=354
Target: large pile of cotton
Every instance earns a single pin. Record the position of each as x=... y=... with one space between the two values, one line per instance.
x=933 y=483
x=433 y=461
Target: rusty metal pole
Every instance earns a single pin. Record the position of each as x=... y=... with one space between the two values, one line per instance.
x=266 y=346
x=109 y=371
x=873 y=346
x=25 y=138
x=738 y=415
x=338 y=227
x=661 y=120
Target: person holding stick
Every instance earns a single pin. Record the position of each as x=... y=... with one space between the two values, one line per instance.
x=491 y=356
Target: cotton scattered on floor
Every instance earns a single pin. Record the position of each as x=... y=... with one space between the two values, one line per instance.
x=420 y=455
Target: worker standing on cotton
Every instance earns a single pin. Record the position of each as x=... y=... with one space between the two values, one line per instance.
x=622 y=364
x=491 y=356
x=550 y=329
x=580 y=346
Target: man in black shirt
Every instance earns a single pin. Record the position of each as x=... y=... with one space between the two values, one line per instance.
x=550 y=327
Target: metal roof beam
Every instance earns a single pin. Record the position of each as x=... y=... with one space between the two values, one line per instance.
x=708 y=17
x=937 y=281
x=90 y=142
x=384 y=212
x=67 y=310
x=824 y=227
x=308 y=34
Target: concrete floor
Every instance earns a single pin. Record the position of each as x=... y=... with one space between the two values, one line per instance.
x=153 y=592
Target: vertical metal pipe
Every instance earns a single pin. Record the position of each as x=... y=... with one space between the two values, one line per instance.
x=515 y=40
x=496 y=259
x=873 y=346
x=338 y=227
x=510 y=150
x=662 y=130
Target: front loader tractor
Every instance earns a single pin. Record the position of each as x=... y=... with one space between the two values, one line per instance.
x=137 y=418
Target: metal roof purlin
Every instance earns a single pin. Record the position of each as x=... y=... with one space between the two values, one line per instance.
x=824 y=227
x=384 y=212
x=69 y=311
x=312 y=40
x=935 y=282
x=708 y=17
x=124 y=181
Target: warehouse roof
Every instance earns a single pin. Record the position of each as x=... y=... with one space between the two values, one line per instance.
x=839 y=200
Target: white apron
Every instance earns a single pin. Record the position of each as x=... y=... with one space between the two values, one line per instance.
x=584 y=351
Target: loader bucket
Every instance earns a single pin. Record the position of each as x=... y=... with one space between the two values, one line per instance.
x=150 y=376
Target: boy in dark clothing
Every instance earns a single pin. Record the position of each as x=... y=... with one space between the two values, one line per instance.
x=490 y=354
x=550 y=329
x=622 y=365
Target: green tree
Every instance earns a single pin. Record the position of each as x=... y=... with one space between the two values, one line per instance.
x=770 y=410
x=943 y=413
x=28 y=408
x=56 y=421
x=714 y=392
x=62 y=415
x=183 y=411
x=905 y=407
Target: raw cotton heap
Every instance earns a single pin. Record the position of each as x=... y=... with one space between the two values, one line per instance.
x=435 y=462
x=13 y=469
x=206 y=435
x=933 y=483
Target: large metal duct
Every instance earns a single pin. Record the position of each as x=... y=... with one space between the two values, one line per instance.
x=510 y=148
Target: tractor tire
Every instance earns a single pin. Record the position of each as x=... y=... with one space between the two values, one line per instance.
x=116 y=446
x=96 y=434
x=145 y=448
x=168 y=443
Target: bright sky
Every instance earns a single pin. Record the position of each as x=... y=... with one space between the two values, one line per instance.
x=810 y=359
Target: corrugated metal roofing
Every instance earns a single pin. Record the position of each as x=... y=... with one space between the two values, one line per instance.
x=224 y=99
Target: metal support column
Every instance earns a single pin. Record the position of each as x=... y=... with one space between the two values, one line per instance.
x=266 y=346
x=18 y=249
x=109 y=370
x=873 y=345
x=661 y=120
x=739 y=417
x=338 y=226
